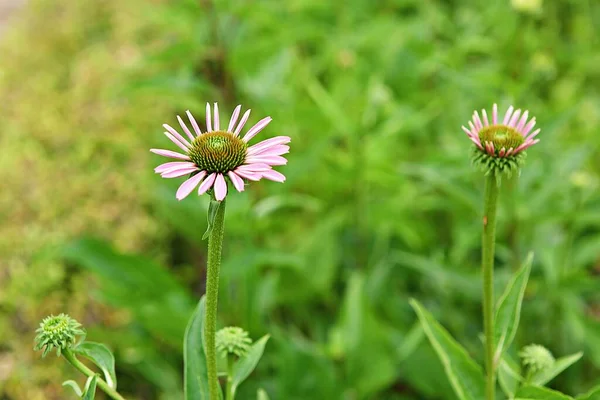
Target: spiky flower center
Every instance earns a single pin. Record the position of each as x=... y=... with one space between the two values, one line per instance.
x=502 y=136
x=233 y=340
x=218 y=152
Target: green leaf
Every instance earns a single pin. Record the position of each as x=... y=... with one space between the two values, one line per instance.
x=213 y=207
x=509 y=376
x=593 y=394
x=195 y=375
x=100 y=355
x=539 y=393
x=261 y=394
x=73 y=385
x=508 y=311
x=244 y=366
x=90 y=392
x=544 y=376
x=465 y=375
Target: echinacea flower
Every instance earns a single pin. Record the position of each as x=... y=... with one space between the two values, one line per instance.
x=500 y=145
x=219 y=156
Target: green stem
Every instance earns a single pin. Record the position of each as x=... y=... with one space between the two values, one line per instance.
x=70 y=357
x=230 y=360
x=490 y=203
x=215 y=244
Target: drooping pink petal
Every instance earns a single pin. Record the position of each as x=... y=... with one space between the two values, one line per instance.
x=207 y=183
x=253 y=176
x=234 y=118
x=242 y=123
x=528 y=127
x=220 y=187
x=273 y=175
x=189 y=185
x=268 y=143
x=177 y=172
x=485 y=118
x=177 y=142
x=274 y=151
x=185 y=128
x=254 y=167
x=238 y=182
x=177 y=135
x=271 y=160
x=194 y=123
x=495 y=114
x=522 y=121
x=166 y=166
x=514 y=118
x=259 y=126
x=170 y=154
x=217 y=123
x=508 y=115
x=208 y=119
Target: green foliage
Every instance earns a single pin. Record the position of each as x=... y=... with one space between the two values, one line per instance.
x=100 y=355
x=245 y=365
x=90 y=389
x=195 y=373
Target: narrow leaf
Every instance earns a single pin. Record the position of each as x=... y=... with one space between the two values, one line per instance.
x=213 y=207
x=90 y=392
x=244 y=366
x=544 y=376
x=508 y=311
x=73 y=385
x=465 y=376
x=100 y=355
x=593 y=394
x=539 y=393
x=195 y=374
x=261 y=394
x=509 y=376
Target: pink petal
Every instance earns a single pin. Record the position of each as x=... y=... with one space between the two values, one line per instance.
x=274 y=151
x=185 y=128
x=528 y=127
x=274 y=176
x=207 y=183
x=220 y=187
x=510 y=151
x=216 y=109
x=177 y=135
x=177 y=142
x=522 y=121
x=468 y=132
x=514 y=118
x=271 y=160
x=526 y=145
x=495 y=114
x=534 y=134
x=507 y=115
x=474 y=129
x=194 y=123
x=476 y=141
x=189 y=185
x=502 y=152
x=253 y=176
x=485 y=118
x=170 y=154
x=242 y=123
x=238 y=182
x=268 y=143
x=208 y=120
x=177 y=172
x=478 y=123
x=255 y=167
x=166 y=166
x=234 y=118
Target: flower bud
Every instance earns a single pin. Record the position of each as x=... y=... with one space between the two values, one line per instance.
x=58 y=332
x=233 y=340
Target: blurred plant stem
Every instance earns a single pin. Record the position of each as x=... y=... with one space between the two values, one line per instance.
x=490 y=205
x=512 y=185
x=70 y=357
x=215 y=245
x=229 y=392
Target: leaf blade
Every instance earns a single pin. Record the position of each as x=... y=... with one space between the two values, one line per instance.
x=195 y=376
x=546 y=375
x=246 y=365
x=100 y=355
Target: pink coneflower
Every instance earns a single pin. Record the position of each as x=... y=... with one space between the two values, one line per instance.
x=505 y=139
x=220 y=155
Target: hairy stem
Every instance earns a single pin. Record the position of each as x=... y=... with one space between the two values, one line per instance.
x=215 y=244
x=70 y=357
x=490 y=203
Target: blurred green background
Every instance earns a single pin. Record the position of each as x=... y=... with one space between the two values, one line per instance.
x=381 y=203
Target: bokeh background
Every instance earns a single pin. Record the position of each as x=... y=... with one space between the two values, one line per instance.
x=381 y=203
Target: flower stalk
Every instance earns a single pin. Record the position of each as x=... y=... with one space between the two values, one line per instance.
x=70 y=357
x=215 y=246
x=490 y=205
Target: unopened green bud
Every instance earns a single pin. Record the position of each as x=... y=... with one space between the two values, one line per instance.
x=58 y=332
x=233 y=340
x=536 y=357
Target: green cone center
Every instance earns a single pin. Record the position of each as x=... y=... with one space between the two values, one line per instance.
x=218 y=152
x=501 y=136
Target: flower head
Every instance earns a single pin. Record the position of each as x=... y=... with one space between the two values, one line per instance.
x=58 y=331
x=536 y=357
x=219 y=156
x=499 y=146
x=233 y=340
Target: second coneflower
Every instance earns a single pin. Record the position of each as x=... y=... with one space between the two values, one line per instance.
x=220 y=155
